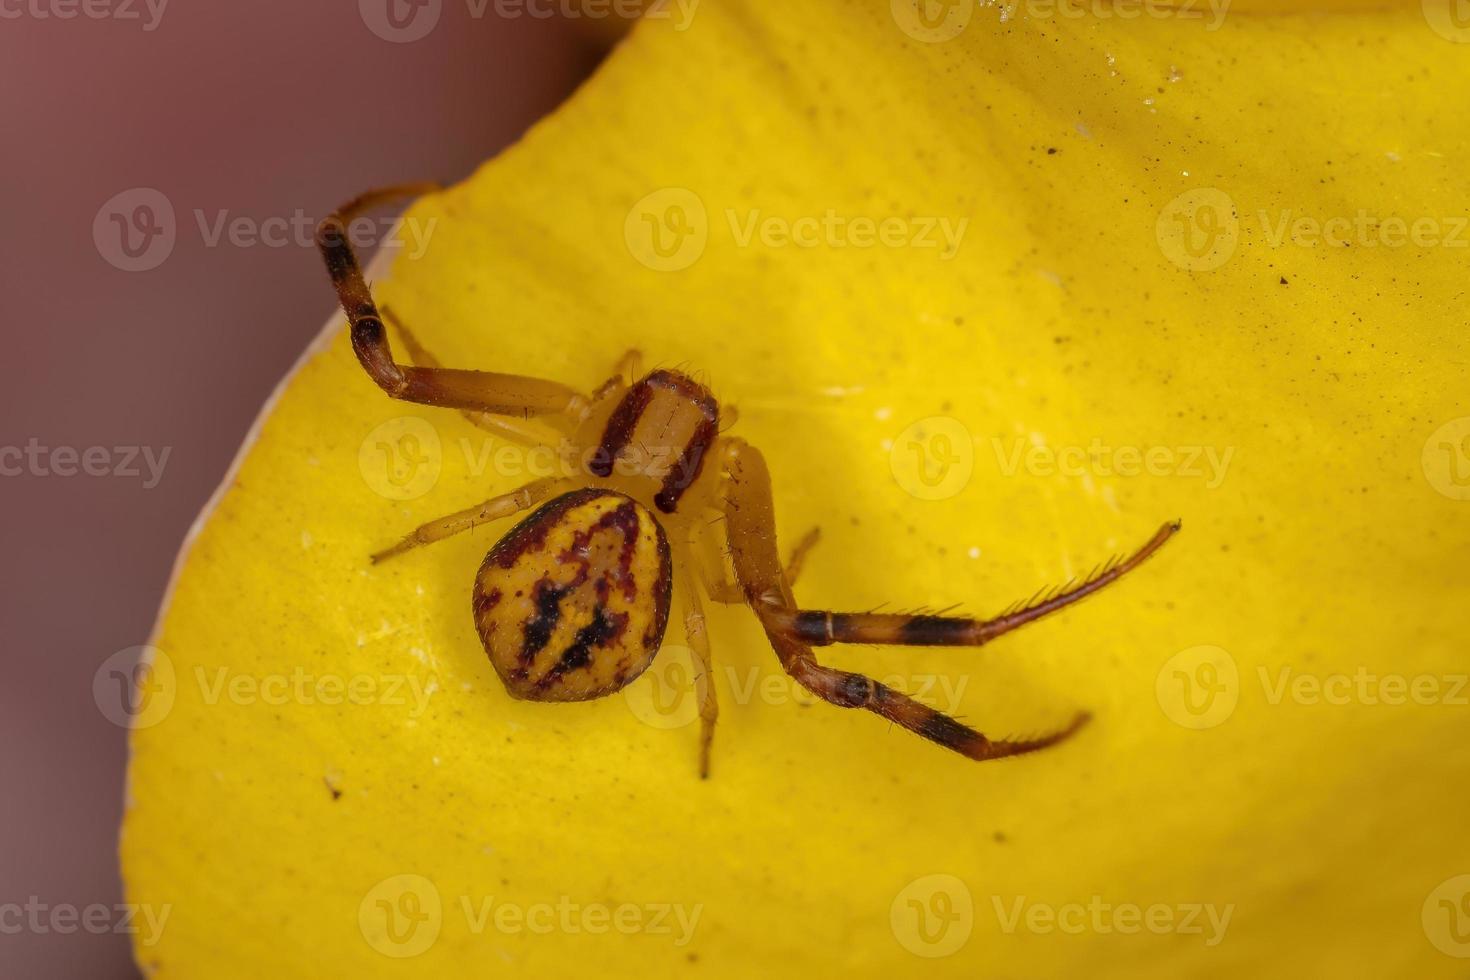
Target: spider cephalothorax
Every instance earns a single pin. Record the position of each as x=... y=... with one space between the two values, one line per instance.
x=572 y=603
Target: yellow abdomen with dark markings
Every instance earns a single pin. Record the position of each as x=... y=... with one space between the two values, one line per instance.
x=572 y=603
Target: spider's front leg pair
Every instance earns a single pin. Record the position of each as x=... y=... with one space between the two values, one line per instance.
x=484 y=392
x=530 y=411
x=792 y=631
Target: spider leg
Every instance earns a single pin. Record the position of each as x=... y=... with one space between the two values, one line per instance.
x=821 y=627
x=630 y=366
x=493 y=509
x=475 y=391
x=850 y=690
x=718 y=584
x=751 y=530
x=696 y=629
x=526 y=432
x=724 y=589
x=799 y=553
x=730 y=592
x=628 y=370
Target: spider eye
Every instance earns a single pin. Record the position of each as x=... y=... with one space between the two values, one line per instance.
x=572 y=603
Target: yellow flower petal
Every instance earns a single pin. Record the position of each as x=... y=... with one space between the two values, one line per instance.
x=1137 y=268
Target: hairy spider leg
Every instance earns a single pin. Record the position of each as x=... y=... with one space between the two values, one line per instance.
x=504 y=505
x=696 y=629
x=752 y=536
x=818 y=627
x=531 y=433
x=476 y=391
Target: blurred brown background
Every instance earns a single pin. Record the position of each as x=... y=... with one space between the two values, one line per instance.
x=268 y=110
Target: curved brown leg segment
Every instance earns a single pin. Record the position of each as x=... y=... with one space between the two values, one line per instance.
x=751 y=528
x=526 y=432
x=851 y=690
x=468 y=519
x=798 y=554
x=476 y=391
x=820 y=627
x=696 y=630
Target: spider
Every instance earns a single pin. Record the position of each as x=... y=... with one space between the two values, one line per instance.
x=572 y=603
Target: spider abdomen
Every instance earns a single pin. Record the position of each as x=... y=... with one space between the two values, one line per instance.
x=572 y=603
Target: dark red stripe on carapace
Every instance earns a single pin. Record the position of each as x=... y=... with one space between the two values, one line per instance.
x=685 y=407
